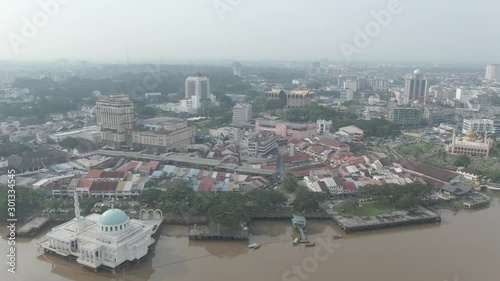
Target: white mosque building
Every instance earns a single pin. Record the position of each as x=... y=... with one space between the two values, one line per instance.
x=109 y=240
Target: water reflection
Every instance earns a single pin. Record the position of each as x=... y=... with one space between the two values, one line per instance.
x=268 y=228
x=220 y=249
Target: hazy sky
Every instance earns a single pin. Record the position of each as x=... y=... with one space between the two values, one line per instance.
x=102 y=30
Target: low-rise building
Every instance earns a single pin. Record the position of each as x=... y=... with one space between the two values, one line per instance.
x=286 y=129
x=89 y=133
x=163 y=134
x=470 y=173
x=44 y=157
x=261 y=145
x=323 y=126
x=353 y=132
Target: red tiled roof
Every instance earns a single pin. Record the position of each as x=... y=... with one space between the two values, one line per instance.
x=428 y=170
x=84 y=183
x=355 y=160
x=333 y=143
x=113 y=174
x=103 y=186
x=349 y=185
x=303 y=171
x=268 y=167
x=154 y=164
x=94 y=174
x=340 y=155
x=297 y=157
x=206 y=184
x=130 y=166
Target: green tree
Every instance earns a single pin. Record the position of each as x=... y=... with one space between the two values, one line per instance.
x=349 y=205
x=406 y=201
x=9 y=148
x=305 y=200
x=69 y=143
x=28 y=200
x=401 y=195
x=265 y=198
x=228 y=213
x=290 y=184
x=462 y=161
x=273 y=104
x=259 y=104
x=87 y=203
x=226 y=101
x=150 y=196
x=228 y=209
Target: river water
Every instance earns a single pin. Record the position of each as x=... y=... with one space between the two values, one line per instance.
x=464 y=247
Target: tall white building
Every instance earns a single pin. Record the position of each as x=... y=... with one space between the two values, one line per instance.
x=416 y=87
x=237 y=68
x=114 y=116
x=242 y=113
x=106 y=240
x=378 y=84
x=354 y=85
x=163 y=134
x=464 y=95
x=492 y=72
x=480 y=126
x=198 y=85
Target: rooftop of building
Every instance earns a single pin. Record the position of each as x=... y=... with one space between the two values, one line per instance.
x=197 y=74
x=289 y=92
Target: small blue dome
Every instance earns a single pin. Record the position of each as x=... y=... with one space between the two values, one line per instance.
x=113 y=217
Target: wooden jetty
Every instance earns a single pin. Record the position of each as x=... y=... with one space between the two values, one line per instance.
x=414 y=216
x=32 y=226
x=274 y=216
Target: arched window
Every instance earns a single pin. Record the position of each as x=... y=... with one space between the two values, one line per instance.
x=120 y=227
x=106 y=229
x=116 y=228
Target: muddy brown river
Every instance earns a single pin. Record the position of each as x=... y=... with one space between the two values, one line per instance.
x=464 y=247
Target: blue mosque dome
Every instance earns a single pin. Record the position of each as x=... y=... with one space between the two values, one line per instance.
x=113 y=217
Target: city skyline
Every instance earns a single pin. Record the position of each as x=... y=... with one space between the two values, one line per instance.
x=228 y=30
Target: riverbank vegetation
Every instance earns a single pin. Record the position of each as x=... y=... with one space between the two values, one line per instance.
x=226 y=208
x=385 y=199
x=352 y=207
